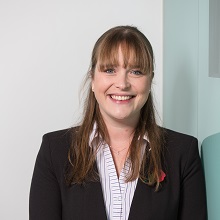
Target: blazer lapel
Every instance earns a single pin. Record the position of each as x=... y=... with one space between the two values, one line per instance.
x=94 y=206
x=94 y=201
x=141 y=206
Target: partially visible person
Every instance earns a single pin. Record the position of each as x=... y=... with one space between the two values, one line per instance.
x=118 y=164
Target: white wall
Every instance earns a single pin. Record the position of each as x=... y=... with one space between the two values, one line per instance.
x=45 y=48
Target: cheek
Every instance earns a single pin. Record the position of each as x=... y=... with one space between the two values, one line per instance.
x=144 y=88
x=144 y=97
x=96 y=84
x=144 y=91
x=101 y=84
x=96 y=81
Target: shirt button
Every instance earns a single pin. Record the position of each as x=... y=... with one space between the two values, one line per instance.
x=119 y=198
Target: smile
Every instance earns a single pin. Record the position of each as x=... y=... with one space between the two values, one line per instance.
x=121 y=97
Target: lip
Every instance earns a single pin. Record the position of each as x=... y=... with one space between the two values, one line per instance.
x=119 y=98
x=121 y=94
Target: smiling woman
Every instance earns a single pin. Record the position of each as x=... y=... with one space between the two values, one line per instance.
x=121 y=92
x=118 y=164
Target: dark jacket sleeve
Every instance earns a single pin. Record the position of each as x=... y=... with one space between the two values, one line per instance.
x=192 y=191
x=45 y=198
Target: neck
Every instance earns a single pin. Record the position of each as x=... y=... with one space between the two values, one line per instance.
x=120 y=135
x=120 y=131
x=120 y=128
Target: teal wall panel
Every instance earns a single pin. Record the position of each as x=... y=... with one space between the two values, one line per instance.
x=208 y=87
x=191 y=98
x=180 y=65
x=210 y=152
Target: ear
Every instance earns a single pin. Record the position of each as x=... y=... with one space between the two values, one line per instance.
x=92 y=79
x=92 y=84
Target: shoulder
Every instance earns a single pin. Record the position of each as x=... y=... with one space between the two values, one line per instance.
x=179 y=140
x=55 y=145
x=60 y=137
x=174 y=135
x=181 y=150
x=180 y=147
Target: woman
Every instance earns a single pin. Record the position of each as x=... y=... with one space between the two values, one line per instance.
x=118 y=164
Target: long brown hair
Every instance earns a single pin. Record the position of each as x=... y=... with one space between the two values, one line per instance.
x=81 y=157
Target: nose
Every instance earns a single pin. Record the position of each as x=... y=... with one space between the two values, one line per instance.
x=122 y=82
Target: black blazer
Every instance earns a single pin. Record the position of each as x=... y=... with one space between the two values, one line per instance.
x=182 y=196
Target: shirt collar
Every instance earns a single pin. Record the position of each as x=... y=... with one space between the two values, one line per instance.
x=93 y=134
x=146 y=138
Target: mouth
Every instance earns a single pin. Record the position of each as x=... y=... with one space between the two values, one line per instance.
x=121 y=97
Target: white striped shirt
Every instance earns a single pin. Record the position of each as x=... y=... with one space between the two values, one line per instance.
x=117 y=194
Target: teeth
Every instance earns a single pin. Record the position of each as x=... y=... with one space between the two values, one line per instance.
x=121 y=98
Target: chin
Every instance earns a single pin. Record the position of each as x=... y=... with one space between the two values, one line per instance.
x=123 y=117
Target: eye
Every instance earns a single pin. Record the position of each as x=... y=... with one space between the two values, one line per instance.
x=109 y=71
x=136 y=72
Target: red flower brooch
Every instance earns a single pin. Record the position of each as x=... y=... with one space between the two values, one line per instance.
x=162 y=176
x=161 y=179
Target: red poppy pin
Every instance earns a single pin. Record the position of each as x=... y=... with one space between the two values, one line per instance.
x=161 y=179
x=162 y=176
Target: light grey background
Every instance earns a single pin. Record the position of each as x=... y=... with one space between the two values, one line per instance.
x=45 y=49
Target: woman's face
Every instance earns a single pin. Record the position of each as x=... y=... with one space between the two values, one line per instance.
x=121 y=92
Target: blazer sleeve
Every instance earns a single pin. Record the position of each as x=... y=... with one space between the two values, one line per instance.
x=45 y=197
x=192 y=195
